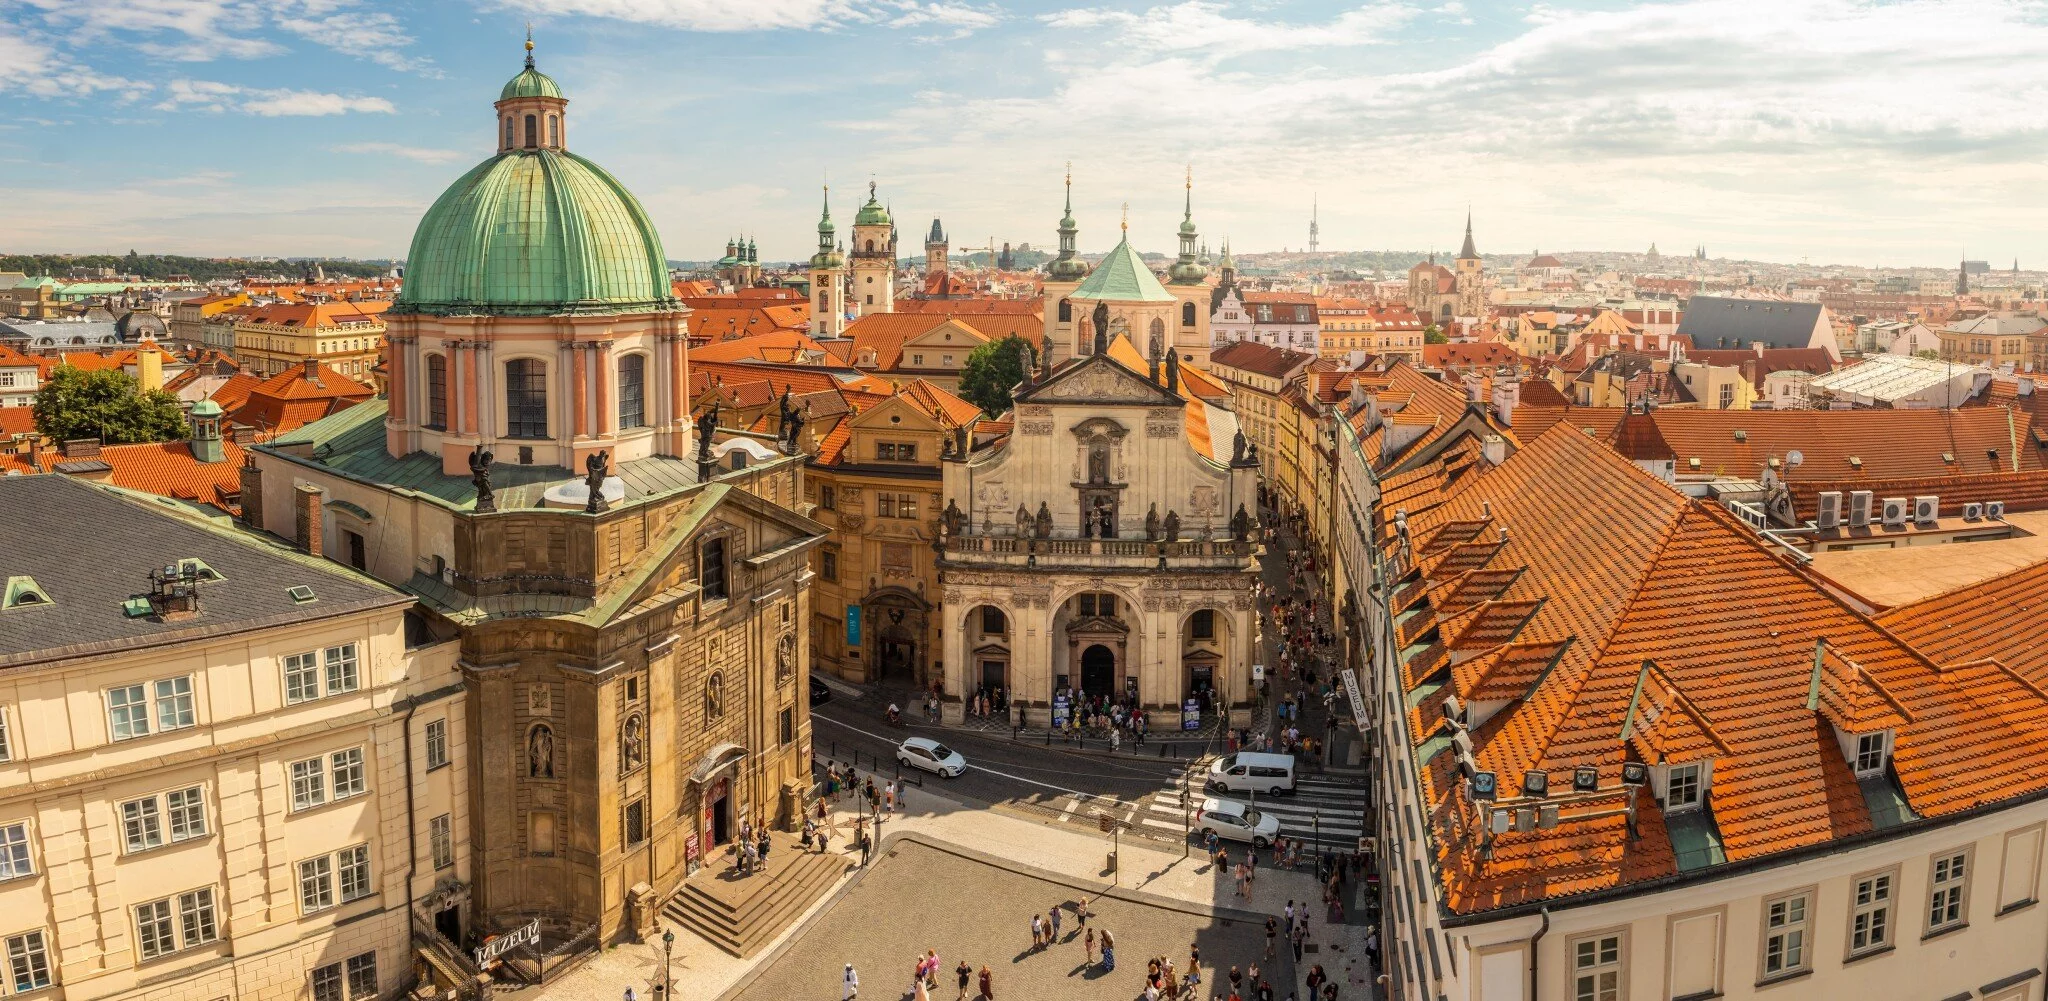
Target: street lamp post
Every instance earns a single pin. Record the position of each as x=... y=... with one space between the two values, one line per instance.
x=668 y=946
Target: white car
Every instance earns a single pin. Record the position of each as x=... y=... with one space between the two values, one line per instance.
x=931 y=756
x=1228 y=818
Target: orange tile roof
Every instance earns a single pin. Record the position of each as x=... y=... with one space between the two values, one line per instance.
x=1468 y=354
x=314 y=316
x=777 y=378
x=17 y=420
x=972 y=307
x=169 y=470
x=785 y=346
x=230 y=395
x=723 y=324
x=1887 y=444
x=950 y=410
x=885 y=334
x=292 y=398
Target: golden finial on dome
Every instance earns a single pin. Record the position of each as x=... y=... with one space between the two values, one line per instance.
x=529 y=45
x=1127 y=217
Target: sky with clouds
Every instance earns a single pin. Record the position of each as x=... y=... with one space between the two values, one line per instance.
x=1836 y=131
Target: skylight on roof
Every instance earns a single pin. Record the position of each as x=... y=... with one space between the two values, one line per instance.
x=23 y=592
x=301 y=595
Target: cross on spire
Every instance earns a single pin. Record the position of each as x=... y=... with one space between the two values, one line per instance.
x=529 y=45
x=1126 y=224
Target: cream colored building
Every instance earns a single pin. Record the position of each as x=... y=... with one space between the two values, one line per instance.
x=272 y=339
x=246 y=790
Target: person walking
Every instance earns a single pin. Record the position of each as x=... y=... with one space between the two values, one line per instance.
x=850 y=989
x=1055 y=922
x=1088 y=943
x=966 y=975
x=1037 y=933
x=1081 y=912
x=918 y=991
x=1108 y=952
x=1272 y=932
x=988 y=984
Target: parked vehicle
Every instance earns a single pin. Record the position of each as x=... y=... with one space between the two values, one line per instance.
x=931 y=756
x=1271 y=774
x=1228 y=818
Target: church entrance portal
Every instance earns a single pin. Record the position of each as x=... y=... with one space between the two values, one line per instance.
x=721 y=812
x=1098 y=671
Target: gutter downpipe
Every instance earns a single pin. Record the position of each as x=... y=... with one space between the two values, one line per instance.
x=412 y=843
x=1535 y=941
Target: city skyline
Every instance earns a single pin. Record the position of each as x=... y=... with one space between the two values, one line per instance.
x=1836 y=132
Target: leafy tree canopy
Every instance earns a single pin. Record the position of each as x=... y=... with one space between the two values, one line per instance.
x=160 y=267
x=1434 y=334
x=107 y=404
x=992 y=370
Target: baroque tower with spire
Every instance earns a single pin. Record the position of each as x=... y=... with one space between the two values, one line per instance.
x=1063 y=274
x=1188 y=281
x=828 y=280
x=874 y=257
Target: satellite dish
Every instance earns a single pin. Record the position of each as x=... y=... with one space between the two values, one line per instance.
x=1793 y=458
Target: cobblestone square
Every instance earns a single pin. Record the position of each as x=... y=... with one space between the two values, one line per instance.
x=920 y=897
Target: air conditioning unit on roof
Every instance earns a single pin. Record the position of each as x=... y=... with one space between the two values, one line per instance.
x=1859 y=508
x=1994 y=510
x=1973 y=511
x=1895 y=511
x=1926 y=509
x=1828 y=509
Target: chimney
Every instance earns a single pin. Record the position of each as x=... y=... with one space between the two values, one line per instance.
x=149 y=369
x=313 y=371
x=307 y=503
x=79 y=448
x=252 y=492
x=241 y=434
x=1507 y=394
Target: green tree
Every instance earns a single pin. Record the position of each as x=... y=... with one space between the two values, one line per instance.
x=1434 y=334
x=1928 y=353
x=992 y=370
x=108 y=405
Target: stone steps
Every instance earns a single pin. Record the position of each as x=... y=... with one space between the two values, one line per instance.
x=742 y=915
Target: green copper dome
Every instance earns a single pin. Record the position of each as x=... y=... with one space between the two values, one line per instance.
x=872 y=214
x=530 y=83
x=1123 y=276
x=535 y=232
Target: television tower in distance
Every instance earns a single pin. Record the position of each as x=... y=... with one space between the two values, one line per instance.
x=1313 y=229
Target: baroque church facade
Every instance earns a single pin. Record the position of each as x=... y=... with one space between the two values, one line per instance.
x=628 y=595
x=1141 y=307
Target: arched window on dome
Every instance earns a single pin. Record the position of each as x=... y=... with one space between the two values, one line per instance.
x=871 y=246
x=526 y=399
x=508 y=131
x=437 y=392
x=632 y=391
x=1066 y=311
x=532 y=131
x=554 y=131
x=1187 y=314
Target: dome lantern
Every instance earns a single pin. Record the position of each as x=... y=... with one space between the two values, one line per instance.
x=532 y=113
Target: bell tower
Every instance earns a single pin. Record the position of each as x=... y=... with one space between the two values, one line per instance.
x=874 y=257
x=828 y=280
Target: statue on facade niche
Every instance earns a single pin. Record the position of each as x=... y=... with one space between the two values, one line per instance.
x=596 y=465
x=953 y=519
x=1098 y=465
x=1043 y=526
x=540 y=753
x=1152 y=523
x=480 y=475
x=1240 y=524
x=1237 y=445
x=1172 y=525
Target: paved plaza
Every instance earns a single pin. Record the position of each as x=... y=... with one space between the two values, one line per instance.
x=920 y=897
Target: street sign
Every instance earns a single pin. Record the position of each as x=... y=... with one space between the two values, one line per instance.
x=1105 y=823
x=1191 y=715
x=1258 y=672
x=488 y=953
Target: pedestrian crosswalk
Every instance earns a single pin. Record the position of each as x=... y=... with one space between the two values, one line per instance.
x=1323 y=812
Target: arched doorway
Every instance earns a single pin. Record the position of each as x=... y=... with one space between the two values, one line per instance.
x=1098 y=671
x=987 y=630
x=895 y=643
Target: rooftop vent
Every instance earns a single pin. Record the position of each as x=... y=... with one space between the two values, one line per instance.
x=1856 y=462
x=199 y=569
x=301 y=595
x=22 y=592
x=1741 y=435
x=1948 y=457
x=173 y=592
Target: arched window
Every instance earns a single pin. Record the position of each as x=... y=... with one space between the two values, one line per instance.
x=526 y=399
x=1187 y=314
x=508 y=131
x=532 y=132
x=822 y=307
x=554 y=130
x=1158 y=328
x=871 y=246
x=1066 y=311
x=632 y=391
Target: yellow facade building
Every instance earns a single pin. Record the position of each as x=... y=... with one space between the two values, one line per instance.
x=345 y=336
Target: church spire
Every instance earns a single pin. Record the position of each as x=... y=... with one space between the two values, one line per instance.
x=1066 y=267
x=529 y=45
x=1187 y=270
x=1468 y=252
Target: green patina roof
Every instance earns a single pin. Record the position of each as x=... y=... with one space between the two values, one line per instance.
x=873 y=213
x=535 y=232
x=1123 y=277
x=530 y=83
x=206 y=408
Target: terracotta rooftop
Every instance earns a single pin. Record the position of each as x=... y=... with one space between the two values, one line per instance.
x=298 y=396
x=1841 y=445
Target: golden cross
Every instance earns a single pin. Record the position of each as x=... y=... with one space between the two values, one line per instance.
x=1127 y=217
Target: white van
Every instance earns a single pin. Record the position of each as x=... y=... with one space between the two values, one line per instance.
x=1271 y=774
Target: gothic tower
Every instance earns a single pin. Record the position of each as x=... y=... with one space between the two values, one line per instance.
x=935 y=250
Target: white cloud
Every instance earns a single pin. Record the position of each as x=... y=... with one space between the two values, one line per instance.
x=206 y=30
x=1204 y=26
x=420 y=154
x=768 y=15
x=210 y=95
x=30 y=67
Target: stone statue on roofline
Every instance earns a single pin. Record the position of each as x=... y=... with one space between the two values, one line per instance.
x=596 y=466
x=1172 y=526
x=1101 y=321
x=1043 y=523
x=480 y=475
x=1023 y=521
x=1152 y=523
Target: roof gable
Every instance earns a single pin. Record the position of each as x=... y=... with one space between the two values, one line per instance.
x=1098 y=379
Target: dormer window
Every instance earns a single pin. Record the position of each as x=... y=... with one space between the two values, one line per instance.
x=1685 y=786
x=1873 y=751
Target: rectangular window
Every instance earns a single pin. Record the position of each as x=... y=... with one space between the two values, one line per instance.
x=526 y=399
x=28 y=962
x=142 y=824
x=906 y=505
x=1870 y=921
x=885 y=451
x=1204 y=625
x=437 y=743
x=1087 y=604
x=1951 y=878
x=441 y=836
x=1682 y=791
x=195 y=917
x=711 y=571
x=906 y=452
x=362 y=977
x=309 y=783
x=829 y=565
x=632 y=391
x=341 y=669
x=316 y=884
x=354 y=864
x=327 y=983
x=885 y=505
x=127 y=712
x=1105 y=606
x=1785 y=935
x=14 y=851
x=6 y=746
x=636 y=823
x=187 y=810
x=1869 y=753
x=174 y=703
x=1596 y=969
x=153 y=935
x=348 y=773
x=828 y=498
x=301 y=678
x=787 y=727
x=992 y=620
x=437 y=392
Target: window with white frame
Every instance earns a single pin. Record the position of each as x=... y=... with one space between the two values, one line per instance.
x=342 y=673
x=441 y=836
x=196 y=922
x=28 y=962
x=1870 y=753
x=14 y=851
x=316 y=884
x=154 y=933
x=354 y=866
x=128 y=708
x=6 y=745
x=186 y=810
x=354 y=979
x=1785 y=932
x=1683 y=789
x=174 y=703
x=1870 y=916
x=348 y=773
x=309 y=783
x=437 y=743
x=1948 y=891
x=1596 y=968
x=142 y=824
x=301 y=678
x=144 y=821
